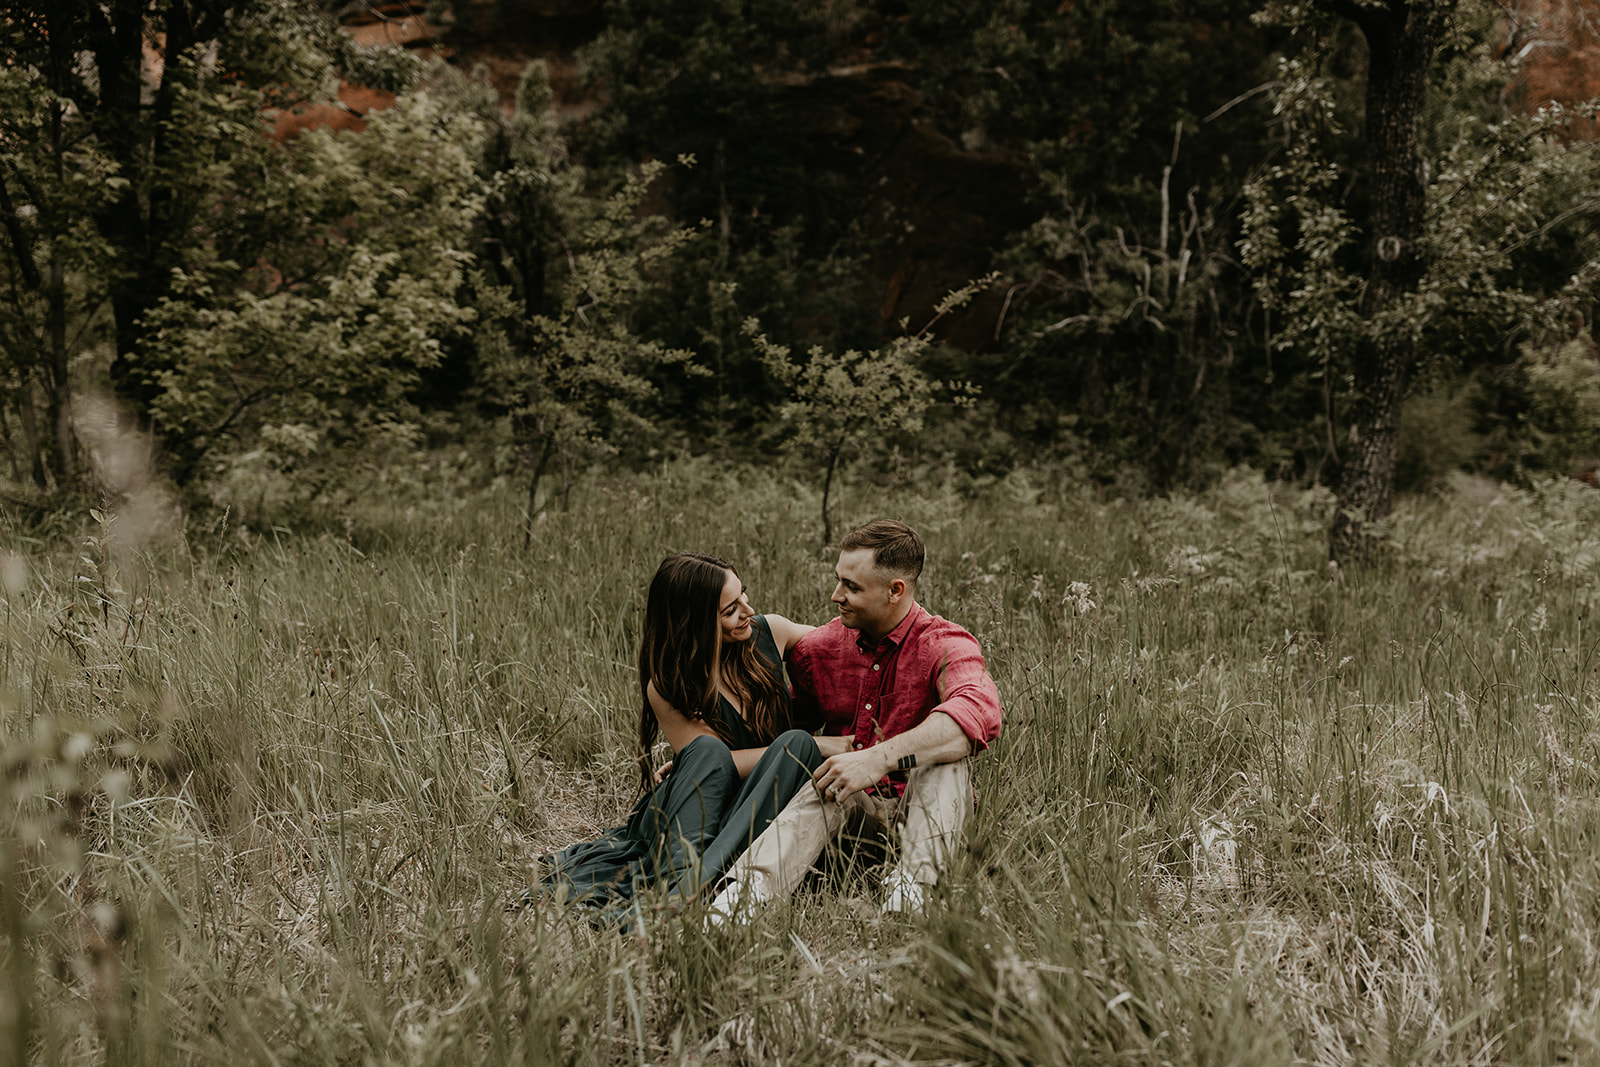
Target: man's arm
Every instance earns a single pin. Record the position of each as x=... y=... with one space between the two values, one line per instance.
x=937 y=739
x=966 y=692
x=964 y=721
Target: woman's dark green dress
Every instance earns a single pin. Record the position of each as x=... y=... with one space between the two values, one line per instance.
x=687 y=831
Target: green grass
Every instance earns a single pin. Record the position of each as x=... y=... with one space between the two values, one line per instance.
x=267 y=793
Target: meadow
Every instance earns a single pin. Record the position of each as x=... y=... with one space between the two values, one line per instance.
x=269 y=791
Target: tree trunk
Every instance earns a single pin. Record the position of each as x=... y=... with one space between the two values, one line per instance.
x=60 y=384
x=30 y=433
x=29 y=361
x=12 y=452
x=147 y=224
x=533 y=488
x=566 y=481
x=115 y=113
x=827 y=488
x=1401 y=40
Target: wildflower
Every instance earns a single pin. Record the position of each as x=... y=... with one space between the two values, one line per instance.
x=1078 y=594
x=1190 y=560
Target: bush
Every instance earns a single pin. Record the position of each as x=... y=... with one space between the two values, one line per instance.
x=1437 y=437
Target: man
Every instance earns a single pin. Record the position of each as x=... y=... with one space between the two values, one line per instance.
x=904 y=702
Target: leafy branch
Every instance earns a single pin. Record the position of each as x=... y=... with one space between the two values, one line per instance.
x=840 y=401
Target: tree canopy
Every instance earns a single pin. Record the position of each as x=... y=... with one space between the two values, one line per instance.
x=1223 y=232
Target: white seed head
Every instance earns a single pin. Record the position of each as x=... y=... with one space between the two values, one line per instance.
x=13 y=574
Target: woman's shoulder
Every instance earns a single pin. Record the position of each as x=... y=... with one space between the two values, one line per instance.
x=766 y=640
x=783 y=632
x=658 y=703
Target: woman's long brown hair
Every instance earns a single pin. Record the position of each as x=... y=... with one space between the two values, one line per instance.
x=682 y=652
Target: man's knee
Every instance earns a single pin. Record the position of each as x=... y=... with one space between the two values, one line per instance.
x=961 y=767
x=956 y=774
x=943 y=791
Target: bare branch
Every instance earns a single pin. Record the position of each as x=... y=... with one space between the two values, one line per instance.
x=19 y=241
x=1264 y=87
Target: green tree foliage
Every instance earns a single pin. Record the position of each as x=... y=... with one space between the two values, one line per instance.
x=127 y=76
x=1126 y=316
x=1498 y=196
x=271 y=302
x=135 y=143
x=308 y=285
x=1092 y=90
x=445 y=224
x=1565 y=383
x=579 y=381
x=839 y=402
x=1540 y=415
x=1130 y=322
x=557 y=351
x=358 y=245
x=746 y=89
x=817 y=122
x=53 y=181
x=534 y=192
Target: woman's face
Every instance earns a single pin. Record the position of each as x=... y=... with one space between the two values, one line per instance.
x=734 y=612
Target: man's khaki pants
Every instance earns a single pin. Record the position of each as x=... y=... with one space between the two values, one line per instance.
x=930 y=816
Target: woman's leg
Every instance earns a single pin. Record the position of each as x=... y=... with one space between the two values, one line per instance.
x=776 y=778
x=686 y=812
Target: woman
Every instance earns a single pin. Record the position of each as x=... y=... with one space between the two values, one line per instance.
x=710 y=682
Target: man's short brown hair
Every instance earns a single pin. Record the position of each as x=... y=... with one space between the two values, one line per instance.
x=896 y=548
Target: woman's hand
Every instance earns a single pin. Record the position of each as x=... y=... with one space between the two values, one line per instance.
x=662 y=772
x=829 y=745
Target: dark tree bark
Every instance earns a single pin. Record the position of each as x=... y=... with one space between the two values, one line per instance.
x=827 y=490
x=1402 y=38
x=533 y=487
x=147 y=223
x=30 y=435
x=47 y=356
x=60 y=383
x=12 y=452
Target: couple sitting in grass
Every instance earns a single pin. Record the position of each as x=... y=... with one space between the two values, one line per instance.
x=754 y=792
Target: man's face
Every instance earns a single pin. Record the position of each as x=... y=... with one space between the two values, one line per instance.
x=865 y=597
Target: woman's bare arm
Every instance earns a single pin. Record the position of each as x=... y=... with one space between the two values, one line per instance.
x=786 y=633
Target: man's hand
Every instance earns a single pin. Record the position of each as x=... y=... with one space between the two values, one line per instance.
x=847 y=771
x=663 y=771
x=842 y=776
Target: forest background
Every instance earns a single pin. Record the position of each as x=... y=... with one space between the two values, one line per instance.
x=715 y=227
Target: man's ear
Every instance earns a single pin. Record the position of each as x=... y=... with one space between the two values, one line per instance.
x=897 y=588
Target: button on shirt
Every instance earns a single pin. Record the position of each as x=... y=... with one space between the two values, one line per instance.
x=866 y=692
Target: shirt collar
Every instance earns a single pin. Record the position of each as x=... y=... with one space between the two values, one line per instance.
x=895 y=637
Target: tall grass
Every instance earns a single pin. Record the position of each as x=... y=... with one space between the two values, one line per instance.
x=267 y=794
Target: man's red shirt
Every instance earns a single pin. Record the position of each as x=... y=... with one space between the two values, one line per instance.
x=867 y=692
